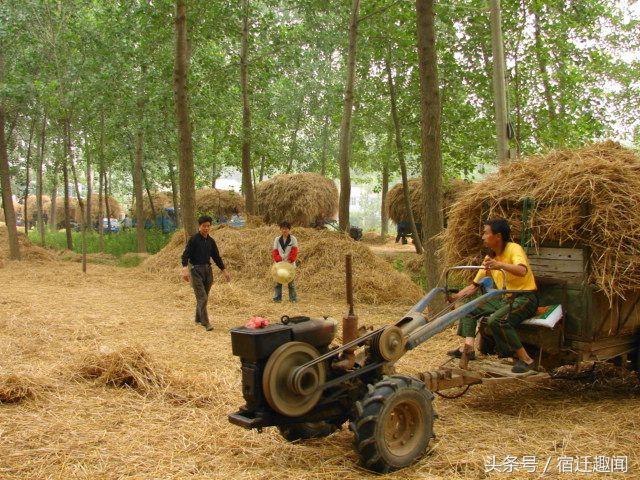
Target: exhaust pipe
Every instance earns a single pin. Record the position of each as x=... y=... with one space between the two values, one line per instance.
x=349 y=322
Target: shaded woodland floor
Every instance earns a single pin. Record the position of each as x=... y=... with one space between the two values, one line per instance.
x=51 y=318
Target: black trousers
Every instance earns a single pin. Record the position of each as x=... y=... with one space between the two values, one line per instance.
x=201 y=281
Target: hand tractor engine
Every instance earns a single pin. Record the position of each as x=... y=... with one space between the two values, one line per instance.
x=295 y=379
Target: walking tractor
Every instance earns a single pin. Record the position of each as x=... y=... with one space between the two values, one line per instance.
x=295 y=380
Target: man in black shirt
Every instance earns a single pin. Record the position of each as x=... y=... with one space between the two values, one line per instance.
x=200 y=249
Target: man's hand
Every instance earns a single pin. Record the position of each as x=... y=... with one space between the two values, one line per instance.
x=492 y=263
x=227 y=275
x=453 y=297
x=185 y=274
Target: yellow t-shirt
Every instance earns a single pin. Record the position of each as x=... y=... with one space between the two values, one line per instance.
x=512 y=254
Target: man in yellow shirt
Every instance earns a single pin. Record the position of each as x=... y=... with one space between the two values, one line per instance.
x=506 y=312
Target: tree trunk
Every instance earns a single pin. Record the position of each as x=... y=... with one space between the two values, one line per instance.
x=403 y=165
x=542 y=67
x=83 y=229
x=325 y=146
x=384 y=216
x=53 y=214
x=86 y=215
x=25 y=218
x=39 y=181
x=74 y=174
x=293 y=150
x=100 y=209
x=247 y=184
x=345 y=126
x=5 y=182
x=174 y=192
x=187 y=182
x=87 y=218
x=67 y=210
x=430 y=137
x=154 y=214
x=107 y=207
x=137 y=188
x=215 y=174
x=100 y=181
x=262 y=166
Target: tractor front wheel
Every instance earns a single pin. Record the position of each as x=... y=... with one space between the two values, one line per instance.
x=393 y=424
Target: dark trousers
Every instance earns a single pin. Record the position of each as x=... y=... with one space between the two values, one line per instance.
x=277 y=294
x=201 y=281
x=503 y=314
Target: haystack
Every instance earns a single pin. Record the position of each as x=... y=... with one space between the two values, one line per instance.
x=161 y=200
x=32 y=206
x=395 y=199
x=115 y=209
x=17 y=208
x=301 y=199
x=247 y=253
x=28 y=251
x=588 y=197
x=215 y=202
x=74 y=210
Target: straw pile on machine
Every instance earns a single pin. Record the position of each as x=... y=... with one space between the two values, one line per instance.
x=28 y=251
x=115 y=209
x=32 y=207
x=395 y=199
x=302 y=199
x=216 y=203
x=247 y=253
x=587 y=197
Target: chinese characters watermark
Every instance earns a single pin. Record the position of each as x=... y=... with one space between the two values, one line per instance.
x=561 y=464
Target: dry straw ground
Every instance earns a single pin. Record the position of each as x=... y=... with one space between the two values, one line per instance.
x=128 y=387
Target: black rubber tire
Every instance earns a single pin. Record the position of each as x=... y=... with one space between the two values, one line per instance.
x=373 y=413
x=306 y=431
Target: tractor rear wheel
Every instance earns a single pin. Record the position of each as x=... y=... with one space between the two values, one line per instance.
x=393 y=424
x=307 y=431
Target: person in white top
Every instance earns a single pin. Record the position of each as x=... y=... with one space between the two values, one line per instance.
x=285 y=249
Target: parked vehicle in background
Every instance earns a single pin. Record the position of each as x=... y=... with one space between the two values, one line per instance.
x=110 y=225
x=236 y=221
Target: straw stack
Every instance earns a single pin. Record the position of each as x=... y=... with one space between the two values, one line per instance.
x=587 y=197
x=247 y=253
x=32 y=206
x=215 y=202
x=395 y=199
x=301 y=199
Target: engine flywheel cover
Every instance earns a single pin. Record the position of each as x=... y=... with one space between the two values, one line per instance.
x=289 y=394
